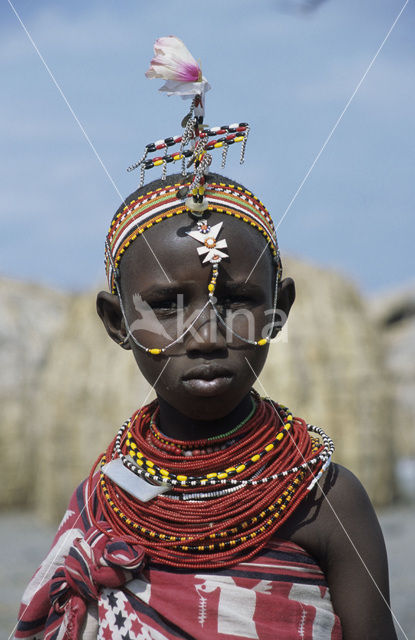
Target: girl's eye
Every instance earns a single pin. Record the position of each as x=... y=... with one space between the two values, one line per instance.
x=164 y=306
x=234 y=301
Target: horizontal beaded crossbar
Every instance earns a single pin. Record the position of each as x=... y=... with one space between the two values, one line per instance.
x=155 y=206
x=236 y=132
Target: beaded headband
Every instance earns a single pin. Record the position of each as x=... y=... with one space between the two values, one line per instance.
x=163 y=203
x=194 y=196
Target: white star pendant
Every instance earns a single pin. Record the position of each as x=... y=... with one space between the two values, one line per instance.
x=212 y=247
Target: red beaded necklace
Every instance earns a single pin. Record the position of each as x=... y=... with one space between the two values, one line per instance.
x=195 y=447
x=200 y=523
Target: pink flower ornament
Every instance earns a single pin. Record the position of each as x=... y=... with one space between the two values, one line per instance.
x=174 y=63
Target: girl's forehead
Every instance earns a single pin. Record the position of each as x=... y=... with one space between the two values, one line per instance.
x=168 y=247
x=233 y=230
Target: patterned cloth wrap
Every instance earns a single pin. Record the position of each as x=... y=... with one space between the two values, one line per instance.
x=91 y=587
x=82 y=561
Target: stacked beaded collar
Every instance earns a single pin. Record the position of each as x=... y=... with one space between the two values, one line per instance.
x=198 y=524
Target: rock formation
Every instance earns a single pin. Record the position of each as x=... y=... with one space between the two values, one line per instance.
x=30 y=317
x=394 y=314
x=95 y=386
x=328 y=367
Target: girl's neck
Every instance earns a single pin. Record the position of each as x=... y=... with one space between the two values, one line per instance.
x=176 y=425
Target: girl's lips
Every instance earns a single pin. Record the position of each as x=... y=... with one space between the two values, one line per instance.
x=208 y=387
x=207 y=371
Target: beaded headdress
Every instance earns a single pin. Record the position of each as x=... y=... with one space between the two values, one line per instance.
x=194 y=195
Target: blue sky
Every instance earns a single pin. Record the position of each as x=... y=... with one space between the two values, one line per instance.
x=288 y=72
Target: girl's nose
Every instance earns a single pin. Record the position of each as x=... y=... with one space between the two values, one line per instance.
x=206 y=335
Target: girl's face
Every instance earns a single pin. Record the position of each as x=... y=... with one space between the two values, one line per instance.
x=164 y=286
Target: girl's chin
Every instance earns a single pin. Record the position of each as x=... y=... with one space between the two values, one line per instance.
x=202 y=404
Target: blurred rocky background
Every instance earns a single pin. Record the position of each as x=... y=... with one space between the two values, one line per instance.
x=343 y=362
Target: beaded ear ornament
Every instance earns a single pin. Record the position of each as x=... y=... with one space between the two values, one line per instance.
x=174 y=63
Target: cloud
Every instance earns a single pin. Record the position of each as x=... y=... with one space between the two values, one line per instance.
x=299 y=5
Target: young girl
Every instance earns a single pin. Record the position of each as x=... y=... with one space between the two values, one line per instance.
x=214 y=513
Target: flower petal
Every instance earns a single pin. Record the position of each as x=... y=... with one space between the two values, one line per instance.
x=172 y=87
x=173 y=61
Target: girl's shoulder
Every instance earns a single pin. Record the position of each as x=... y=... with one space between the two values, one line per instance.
x=338 y=526
x=336 y=509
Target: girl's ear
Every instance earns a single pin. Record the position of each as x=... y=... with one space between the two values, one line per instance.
x=109 y=310
x=285 y=300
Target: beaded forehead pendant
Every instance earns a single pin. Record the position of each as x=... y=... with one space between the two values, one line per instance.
x=183 y=75
x=212 y=249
